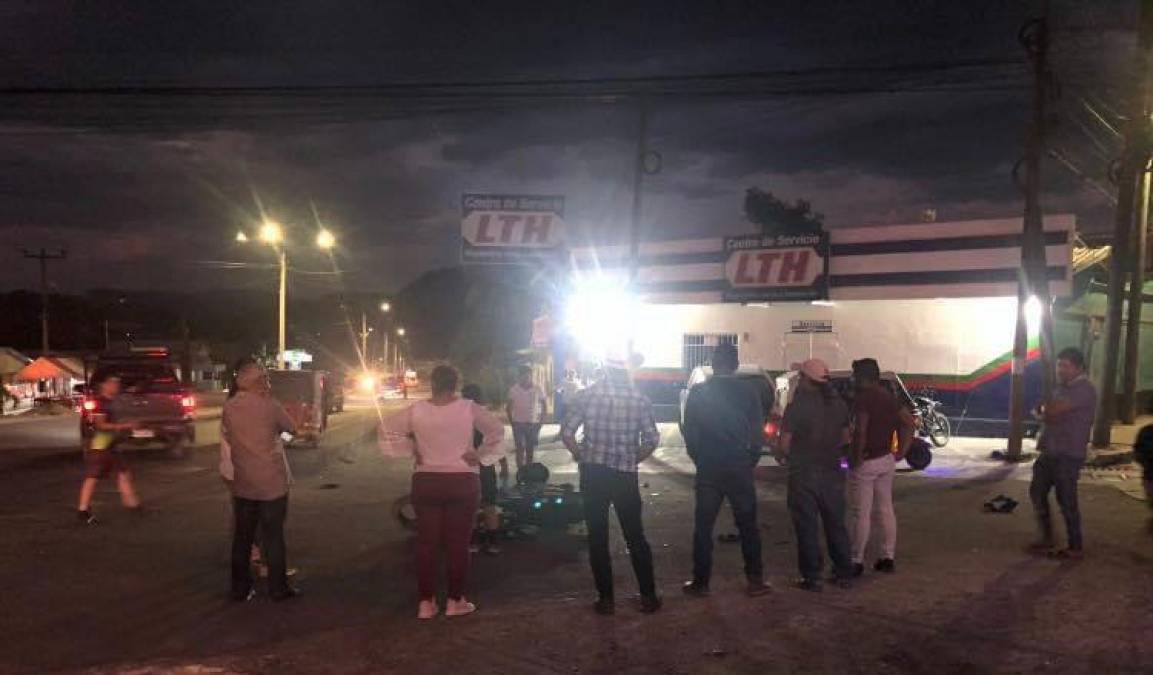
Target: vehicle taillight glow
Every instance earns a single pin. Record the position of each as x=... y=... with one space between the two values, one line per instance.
x=188 y=402
x=89 y=405
x=770 y=429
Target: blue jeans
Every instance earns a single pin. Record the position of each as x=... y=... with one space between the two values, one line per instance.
x=713 y=487
x=1060 y=473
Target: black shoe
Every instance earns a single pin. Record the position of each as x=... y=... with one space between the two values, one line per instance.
x=86 y=517
x=242 y=596
x=886 y=565
x=811 y=585
x=650 y=604
x=695 y=589
x=287 y=594
x=605 y=606
x=843 y=583
x=858 y=570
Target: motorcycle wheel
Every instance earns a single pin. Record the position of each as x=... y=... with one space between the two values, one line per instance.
x=939 y=430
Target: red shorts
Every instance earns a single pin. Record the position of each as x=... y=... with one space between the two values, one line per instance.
x=100 y=463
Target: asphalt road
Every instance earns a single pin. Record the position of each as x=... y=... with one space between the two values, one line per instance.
x=146 y=594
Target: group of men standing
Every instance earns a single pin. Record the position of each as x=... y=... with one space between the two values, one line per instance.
x=724 y=436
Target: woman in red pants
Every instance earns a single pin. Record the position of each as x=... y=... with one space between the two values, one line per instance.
x=438 y=433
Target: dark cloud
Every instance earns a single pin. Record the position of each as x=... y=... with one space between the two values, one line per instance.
x=144 y=188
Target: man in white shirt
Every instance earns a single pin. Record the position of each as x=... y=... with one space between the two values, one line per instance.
x=526 y=410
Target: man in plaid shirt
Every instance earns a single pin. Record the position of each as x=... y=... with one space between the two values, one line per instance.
x=619 y=433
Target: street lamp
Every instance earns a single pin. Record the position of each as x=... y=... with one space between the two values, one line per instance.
x=399 y=334
x=272 y=233
x=325 y=240
x=365 y=330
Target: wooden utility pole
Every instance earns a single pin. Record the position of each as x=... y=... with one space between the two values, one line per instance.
x=1130 y=168
x=1034 y=282
x=1130 y=379
x=44 y=257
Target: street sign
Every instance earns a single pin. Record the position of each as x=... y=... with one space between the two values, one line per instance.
x=511 y=228
x=777 y=267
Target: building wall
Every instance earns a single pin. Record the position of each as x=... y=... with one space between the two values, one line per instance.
x=932 y=337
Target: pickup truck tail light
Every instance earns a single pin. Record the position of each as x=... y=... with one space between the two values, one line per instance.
x=88 y=405
x=188 y=402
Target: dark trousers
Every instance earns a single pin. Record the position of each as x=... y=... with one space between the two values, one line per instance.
x=268 y=517
x=1062 y=473
x=445 y=505
x=713 y=487
x=600 y=488
x=816 y=498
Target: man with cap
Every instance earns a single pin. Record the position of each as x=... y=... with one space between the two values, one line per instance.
x=814 y=440
x=723 y=436
x=252 y=423
x=619 y=433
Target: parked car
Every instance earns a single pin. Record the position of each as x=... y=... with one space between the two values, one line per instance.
x=920 y=454
x=151 y=396
x=753 y=373
x=301 y=392
x=333 y=392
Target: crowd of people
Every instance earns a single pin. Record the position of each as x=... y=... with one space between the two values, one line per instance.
x=840 y=456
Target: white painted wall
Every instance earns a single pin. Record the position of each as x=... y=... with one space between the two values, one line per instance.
x=944 y=337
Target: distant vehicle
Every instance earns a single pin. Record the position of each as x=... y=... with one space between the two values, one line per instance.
x=301 y=392
x=333 y=392
x=752 y=373
x=411 y=381
x=151 y=396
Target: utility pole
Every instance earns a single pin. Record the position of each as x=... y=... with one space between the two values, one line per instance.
x=364 y=339
x=282 y=322
x=638 y=189
x=1140 y=233
x=43 y=257
x=1034 y=282
x=1130 y=167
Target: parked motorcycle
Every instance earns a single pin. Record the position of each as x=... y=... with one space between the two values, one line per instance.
x=931 y=422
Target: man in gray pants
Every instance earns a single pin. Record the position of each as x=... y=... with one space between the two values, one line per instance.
x=1068 y=418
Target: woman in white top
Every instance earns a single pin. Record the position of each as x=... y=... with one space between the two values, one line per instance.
x=438 y=433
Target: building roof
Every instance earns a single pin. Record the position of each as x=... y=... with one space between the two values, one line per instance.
x=11 y=361
x=50 y=368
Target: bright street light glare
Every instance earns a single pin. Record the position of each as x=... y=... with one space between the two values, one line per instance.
x=241 y=237
x=400 y=332
x=1033 y=310
x=271 y=233
x=367 y=382
x=601 y=314
x=385 y=307
x=325 y=239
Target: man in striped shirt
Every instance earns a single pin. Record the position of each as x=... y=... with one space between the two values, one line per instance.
x=619 y=432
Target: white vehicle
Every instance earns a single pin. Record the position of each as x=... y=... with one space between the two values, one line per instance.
x=747 y=371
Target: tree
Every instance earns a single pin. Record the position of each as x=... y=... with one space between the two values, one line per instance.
x=773 y=215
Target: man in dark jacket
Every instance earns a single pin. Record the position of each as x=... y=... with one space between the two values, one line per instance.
x=723 y=434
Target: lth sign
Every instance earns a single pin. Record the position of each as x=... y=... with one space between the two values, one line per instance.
x=511 y=228
x=777 y=267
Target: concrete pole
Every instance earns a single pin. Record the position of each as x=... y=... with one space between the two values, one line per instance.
x=1129 y=376
x=283 y=318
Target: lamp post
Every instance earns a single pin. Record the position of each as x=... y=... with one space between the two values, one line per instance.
x=272 y=234
x=385 y=307
x=399 y=336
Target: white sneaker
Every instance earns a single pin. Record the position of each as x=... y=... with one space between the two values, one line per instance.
x=428 y=610
x=459 y=607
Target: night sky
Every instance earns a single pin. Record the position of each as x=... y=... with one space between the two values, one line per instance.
x=148 y=192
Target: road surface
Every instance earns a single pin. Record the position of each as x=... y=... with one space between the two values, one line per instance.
x=146 y=594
